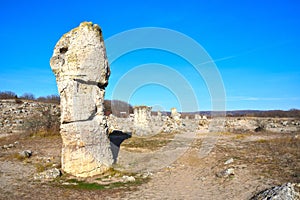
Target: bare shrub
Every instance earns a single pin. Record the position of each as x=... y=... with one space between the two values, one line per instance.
x=44 y=124
x=27 y=96
x=7 y=95
x=50 y=99
x=117 y=108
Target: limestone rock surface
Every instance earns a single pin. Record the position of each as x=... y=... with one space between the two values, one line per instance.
x=81 y=68
x=175 y=115
x=287 y=191
x=142 y=120
x=48 y=174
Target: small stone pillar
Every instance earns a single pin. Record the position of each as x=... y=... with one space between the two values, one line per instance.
x=175 y=115
x=159 y=116
x=142 y=119
x=197 y=116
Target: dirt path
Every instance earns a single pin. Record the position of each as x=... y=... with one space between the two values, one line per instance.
x=193 y=175
x=187 y=168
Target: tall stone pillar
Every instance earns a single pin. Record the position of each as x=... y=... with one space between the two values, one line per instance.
x=81 y=68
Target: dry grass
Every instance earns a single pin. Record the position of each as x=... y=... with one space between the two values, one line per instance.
x=153 y=143
x=42 y=166
x=240 y=136
x=277 y=158
x=43 y=125
x=225 y=133
x=16 y=156
x=111 y=179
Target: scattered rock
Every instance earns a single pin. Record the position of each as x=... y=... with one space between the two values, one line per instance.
x=287 y=191
x=147 y=174
x=203 y=124
x=228 y=161
x=69 y=183
x=259 y=129
x=25 y=154
x=296 y=136
x=13 y=115
x=284 y=123
x=173 y=123
x=8 y=146
x=48 y=174
x=128 y=179
x=226 y=173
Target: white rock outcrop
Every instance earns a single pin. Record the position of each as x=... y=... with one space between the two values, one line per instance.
x=175 y=115
x=287 y=191
x=142 y=120
x=81 y=68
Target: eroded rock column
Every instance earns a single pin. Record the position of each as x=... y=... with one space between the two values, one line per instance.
x=142 y=118
x=81 y=68
x=175 y=115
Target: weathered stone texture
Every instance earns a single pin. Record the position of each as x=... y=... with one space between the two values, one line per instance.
x=142 y=119
x=175 y=115
x=172 y=123
x=142 y=115
x=81 y=68
x=14 y=114
x=287 y=191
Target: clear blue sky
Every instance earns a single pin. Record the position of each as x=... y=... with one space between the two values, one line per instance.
x=255 y=45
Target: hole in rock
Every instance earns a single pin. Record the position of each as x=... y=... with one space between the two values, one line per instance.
x=63 y=50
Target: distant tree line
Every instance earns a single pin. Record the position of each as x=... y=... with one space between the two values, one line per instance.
x=117 y=108
x=29 y=96
x=7 y=95
x=295 y=113
x=123 y=109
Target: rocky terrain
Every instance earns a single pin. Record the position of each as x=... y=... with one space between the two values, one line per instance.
x=248 y=157
x=76 y=152
x=14 y=114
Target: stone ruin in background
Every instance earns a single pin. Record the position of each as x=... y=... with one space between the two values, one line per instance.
x=172 y=123
x=142 y=120
x=143 y=123
x=175 y=115
x=203 y=122
x=81 y=68
x=147 y=124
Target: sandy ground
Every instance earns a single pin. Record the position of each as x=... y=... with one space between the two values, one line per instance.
x=186 y=168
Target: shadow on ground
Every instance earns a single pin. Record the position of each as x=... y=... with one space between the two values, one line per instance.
x=116 y=138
